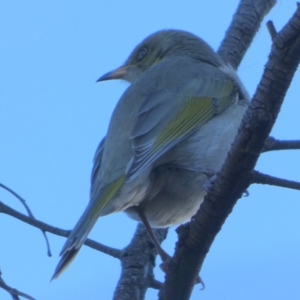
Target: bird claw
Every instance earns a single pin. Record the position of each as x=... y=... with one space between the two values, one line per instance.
x=208 y=184
x=210 y=173
x=164 y=266
x=200 y=281
x=246 y=193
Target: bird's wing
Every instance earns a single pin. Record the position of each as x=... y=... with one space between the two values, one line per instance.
x=167 y=116
x=96 y=165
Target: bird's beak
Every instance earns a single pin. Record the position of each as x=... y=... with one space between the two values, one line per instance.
x=118 y=73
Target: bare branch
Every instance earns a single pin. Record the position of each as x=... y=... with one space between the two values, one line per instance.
x=244 y=25
x=155 y=284
x=13 y=292
x=272 y=144
x=261 y=178
x=272 y=29
x=234 y=178
x=231 y=43
x=22 y=200
x=240 y=35
x=138 y=261
x=57 y=231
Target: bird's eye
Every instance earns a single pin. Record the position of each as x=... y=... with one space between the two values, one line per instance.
x=142 y=53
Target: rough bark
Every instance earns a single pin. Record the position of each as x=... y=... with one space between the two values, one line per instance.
x=234 y=178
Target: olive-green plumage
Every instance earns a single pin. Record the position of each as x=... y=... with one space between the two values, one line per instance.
x=175 y=121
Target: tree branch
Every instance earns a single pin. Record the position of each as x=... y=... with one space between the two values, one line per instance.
x=155 y=284
x=57 y=231
x=138 y=261
x=272 y=144
x=272 y=29
x=254 y=15
x=13 y=292
x=261 y=178
x=22 y=200
x=244 y=25
x=234 y=178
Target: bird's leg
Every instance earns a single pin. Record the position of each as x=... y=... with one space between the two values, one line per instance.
x=211 y=175
x=208 y=184
x=165 y=257
x=161 y=252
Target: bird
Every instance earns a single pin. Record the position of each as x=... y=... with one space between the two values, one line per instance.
x=172 y=127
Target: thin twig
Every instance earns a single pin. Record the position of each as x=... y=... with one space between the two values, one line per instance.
x=273 y=144
x=155 y=284
x=57 y=231
x=13 y=292
x=22 y=200
x=272 y=29
x=261 y=178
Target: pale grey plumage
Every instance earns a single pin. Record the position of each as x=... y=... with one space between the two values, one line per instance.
x=177 y=119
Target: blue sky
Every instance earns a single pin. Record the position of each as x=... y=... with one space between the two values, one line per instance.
x=53 y=116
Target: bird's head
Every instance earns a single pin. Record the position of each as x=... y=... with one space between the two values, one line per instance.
x=161 y=45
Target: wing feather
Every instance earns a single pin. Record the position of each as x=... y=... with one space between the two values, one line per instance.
x=170 y=115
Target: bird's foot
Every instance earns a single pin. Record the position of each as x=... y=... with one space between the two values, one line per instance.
x=212 y=177
x=209 y=173
x=208 y=184
x=246 y=193
x=164 y=266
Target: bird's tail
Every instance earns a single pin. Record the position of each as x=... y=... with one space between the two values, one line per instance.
x=76 y=239
x=85 y=224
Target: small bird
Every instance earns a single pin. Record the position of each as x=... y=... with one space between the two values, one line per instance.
x=173 y=125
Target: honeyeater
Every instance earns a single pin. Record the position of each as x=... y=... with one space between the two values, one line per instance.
x=173 y=125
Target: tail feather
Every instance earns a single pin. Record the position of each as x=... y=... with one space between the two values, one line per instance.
x=79 y=234
x=85 y=224
x=64 y=262
x=75 y=240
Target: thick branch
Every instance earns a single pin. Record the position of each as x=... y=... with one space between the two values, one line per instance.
x=138 y=262
x=245 y=23
x=234 y=178
x=57 y=231
x=256 y=15
x=272 y=144
x=261 y=178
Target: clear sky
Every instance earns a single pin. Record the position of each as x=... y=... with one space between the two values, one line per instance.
x=53 y=116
